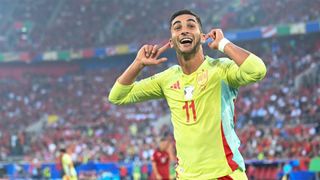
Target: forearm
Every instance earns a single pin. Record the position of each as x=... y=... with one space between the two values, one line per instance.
x=125 y=91
x=131 y=73
x=251 y=70
x=236 y=53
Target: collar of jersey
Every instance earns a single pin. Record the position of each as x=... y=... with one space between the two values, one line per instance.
x=199 y=68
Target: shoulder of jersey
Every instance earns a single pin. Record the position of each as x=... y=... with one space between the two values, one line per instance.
x=213 y=60
x=218 y=61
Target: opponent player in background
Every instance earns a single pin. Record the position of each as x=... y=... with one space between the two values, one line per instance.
x=200 y=92
x=161 y=161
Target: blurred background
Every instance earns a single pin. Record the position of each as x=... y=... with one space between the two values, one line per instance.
x=59 y=60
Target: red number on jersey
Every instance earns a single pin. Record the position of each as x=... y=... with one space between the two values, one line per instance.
x=188 y=106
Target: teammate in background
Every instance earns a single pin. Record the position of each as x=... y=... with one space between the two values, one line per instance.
x=69 y=172
x=161 y=161
x=200 y=92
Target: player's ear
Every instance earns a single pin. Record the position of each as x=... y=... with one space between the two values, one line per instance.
x=202 y=38
x=171 y=43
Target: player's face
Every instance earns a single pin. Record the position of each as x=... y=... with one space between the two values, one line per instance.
x=164 y=145
x=186 y=35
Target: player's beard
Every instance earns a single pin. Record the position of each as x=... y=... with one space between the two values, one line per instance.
x=189 y=53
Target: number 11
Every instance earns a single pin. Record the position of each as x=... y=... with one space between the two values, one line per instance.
x=192 y=106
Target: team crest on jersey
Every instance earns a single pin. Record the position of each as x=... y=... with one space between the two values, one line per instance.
x=188 y=92
x=202 y=79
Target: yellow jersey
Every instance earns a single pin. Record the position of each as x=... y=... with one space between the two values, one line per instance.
x=202 y=112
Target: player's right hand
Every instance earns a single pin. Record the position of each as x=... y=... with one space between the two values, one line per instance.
x=148 y=54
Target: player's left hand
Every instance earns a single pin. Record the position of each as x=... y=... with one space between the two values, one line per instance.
x=216 y=35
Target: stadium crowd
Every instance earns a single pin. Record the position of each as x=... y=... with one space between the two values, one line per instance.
x=283 y=118
x=77 y=24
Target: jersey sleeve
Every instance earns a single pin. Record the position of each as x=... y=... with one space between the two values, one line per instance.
x=149 y=88
x=251 y=70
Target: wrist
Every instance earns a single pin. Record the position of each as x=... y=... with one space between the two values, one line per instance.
x=139 y=64
x=222 y=44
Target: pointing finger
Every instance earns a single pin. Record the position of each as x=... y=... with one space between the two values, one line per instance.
x=163 y=48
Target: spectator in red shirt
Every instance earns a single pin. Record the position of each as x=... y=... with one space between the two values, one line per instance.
x=161 y=161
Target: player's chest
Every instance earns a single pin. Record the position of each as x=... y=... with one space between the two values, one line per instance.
x=187 y=88
x=162 y=158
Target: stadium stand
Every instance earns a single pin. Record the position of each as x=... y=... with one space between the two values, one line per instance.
x=38 y=27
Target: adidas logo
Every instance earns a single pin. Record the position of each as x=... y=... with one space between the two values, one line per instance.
x=175 y=85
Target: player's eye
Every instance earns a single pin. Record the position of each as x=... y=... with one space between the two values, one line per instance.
x=191 y=26
x=178 y=27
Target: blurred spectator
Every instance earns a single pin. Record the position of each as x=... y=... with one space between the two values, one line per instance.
x=77 y=24
x=161 y=161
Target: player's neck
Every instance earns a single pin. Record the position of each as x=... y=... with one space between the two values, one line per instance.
x=190 y=63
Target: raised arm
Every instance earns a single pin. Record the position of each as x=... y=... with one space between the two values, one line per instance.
x=236 y=53
x=248 y=68
x=147 y=56
x=126 y=90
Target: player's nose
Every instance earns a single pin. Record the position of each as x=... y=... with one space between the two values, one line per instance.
x=184 y=33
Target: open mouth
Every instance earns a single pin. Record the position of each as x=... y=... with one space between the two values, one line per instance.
x=186 y=41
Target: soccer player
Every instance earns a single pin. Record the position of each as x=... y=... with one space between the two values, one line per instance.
x=200 y=92
x=161 y=161
x=69 y=172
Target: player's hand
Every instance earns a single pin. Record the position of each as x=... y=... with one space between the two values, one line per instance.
x=216 y=35
x=149 y=54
